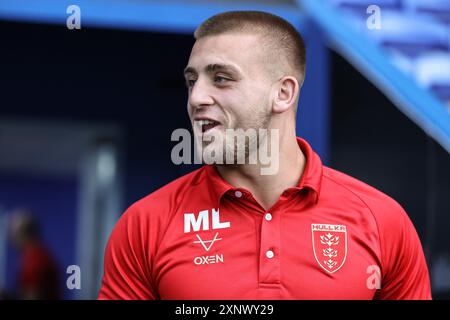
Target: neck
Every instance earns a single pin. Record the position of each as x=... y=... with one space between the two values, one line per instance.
x=266 y=189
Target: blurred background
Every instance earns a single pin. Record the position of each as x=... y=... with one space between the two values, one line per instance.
x=86 y=117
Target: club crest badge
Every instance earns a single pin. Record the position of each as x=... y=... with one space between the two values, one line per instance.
x=329 y=245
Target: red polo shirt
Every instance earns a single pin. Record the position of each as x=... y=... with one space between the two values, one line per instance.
x=331 y=237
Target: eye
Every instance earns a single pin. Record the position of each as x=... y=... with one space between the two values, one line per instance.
x=220 y=79
x=190 y=83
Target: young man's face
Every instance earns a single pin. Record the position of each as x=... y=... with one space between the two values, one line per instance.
x=228 y=83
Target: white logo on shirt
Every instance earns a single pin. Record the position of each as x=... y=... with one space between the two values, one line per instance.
x=202 y=221
x=218 y=258
x=204 y=242
x=329 y=244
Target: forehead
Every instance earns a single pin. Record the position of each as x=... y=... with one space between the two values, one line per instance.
x=241 y=50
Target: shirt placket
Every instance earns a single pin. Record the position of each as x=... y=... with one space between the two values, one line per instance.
x=270 y=250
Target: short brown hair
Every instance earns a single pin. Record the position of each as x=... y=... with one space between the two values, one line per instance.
x=283 y=40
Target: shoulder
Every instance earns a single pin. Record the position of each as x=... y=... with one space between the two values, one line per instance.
x=383 y=207
x=397 y=235
x=167 y=198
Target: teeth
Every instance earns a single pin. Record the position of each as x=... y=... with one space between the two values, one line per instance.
x=205 y=122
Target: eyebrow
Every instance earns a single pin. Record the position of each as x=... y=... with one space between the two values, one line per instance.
x=212 y=68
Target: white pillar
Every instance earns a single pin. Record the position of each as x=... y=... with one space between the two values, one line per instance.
x=100 y=206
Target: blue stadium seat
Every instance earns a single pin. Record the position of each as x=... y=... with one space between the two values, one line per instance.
x=411 y=34
x=438 y=8
x=432 y=71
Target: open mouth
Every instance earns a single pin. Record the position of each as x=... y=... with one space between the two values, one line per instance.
x=206 y=125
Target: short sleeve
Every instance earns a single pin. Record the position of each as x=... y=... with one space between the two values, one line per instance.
x=127 y=265
x=404 y=268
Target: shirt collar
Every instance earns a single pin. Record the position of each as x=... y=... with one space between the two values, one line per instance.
x=311 y=178
x=312 y=174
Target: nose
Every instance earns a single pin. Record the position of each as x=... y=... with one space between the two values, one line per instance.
x=199 y=96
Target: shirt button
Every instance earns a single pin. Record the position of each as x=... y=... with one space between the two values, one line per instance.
x=268 y=216
x=269 y=254
x=238 y=194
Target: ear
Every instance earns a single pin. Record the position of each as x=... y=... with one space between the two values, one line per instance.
x=285 y=97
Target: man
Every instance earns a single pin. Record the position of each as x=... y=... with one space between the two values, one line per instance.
x=38 y=271
x=227 y=231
